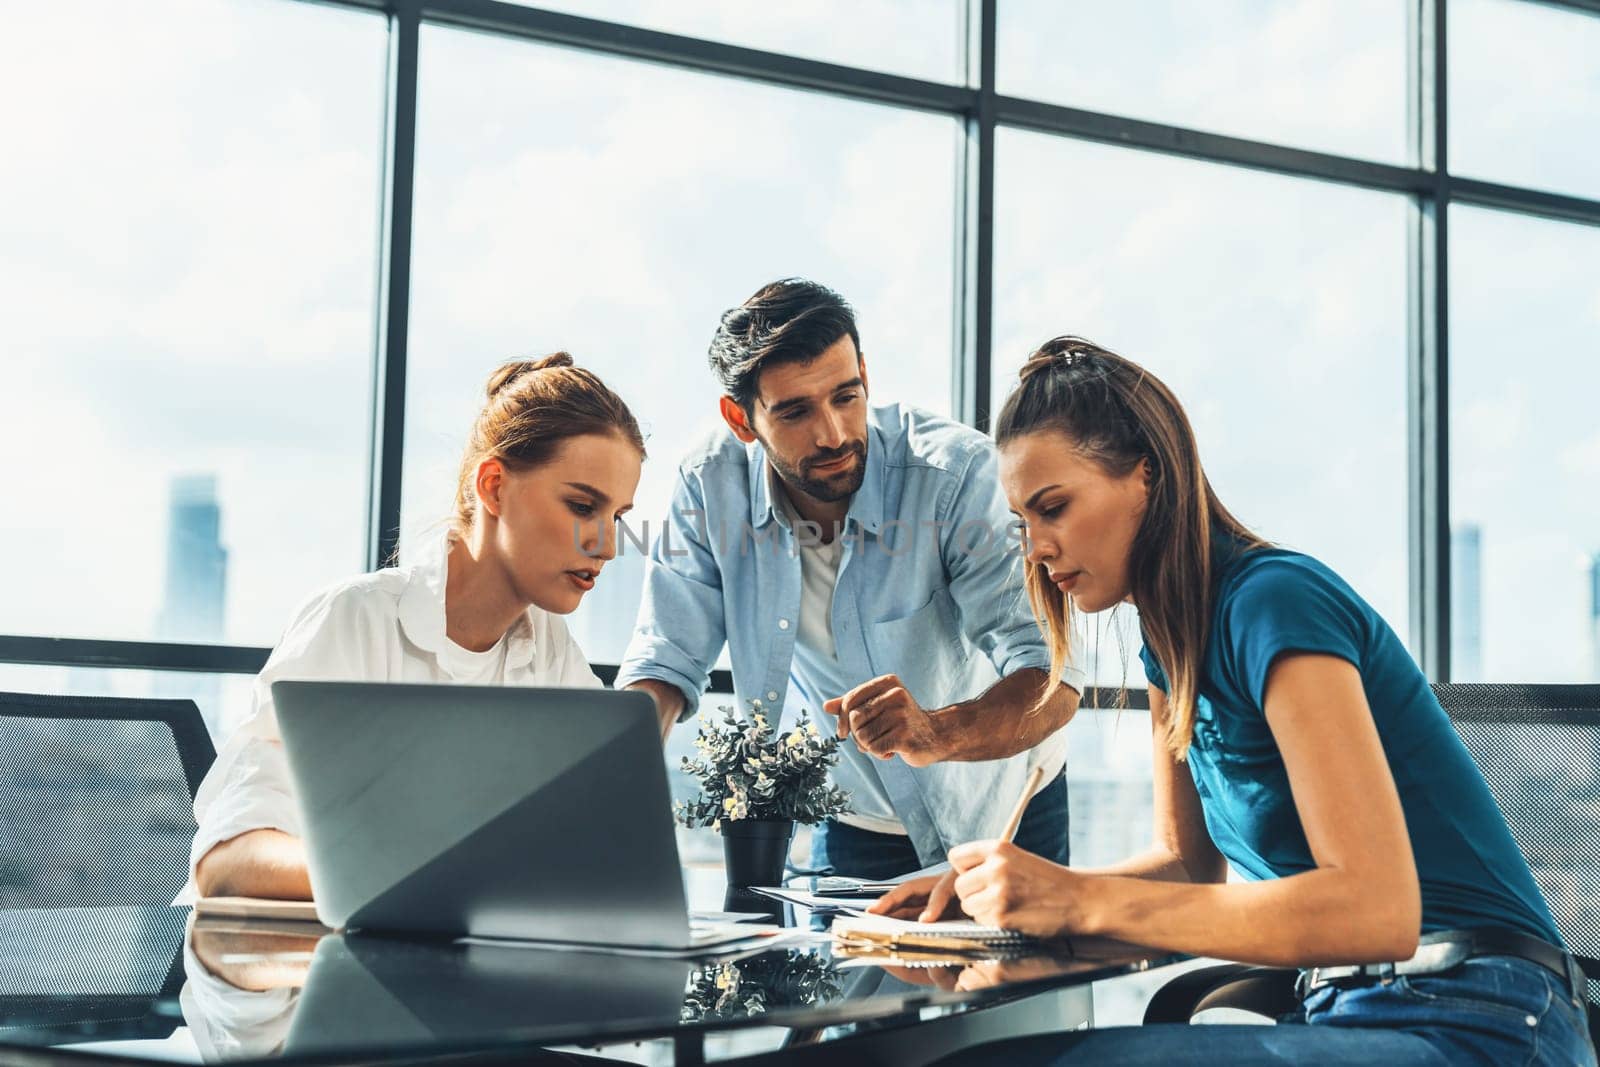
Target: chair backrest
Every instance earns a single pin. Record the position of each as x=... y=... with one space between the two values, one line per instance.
x=1539 y=749
x=96 y=799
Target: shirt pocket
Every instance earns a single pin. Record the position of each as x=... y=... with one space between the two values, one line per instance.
x=922 y=648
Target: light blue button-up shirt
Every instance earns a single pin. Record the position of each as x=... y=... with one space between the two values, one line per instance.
x=929 y=589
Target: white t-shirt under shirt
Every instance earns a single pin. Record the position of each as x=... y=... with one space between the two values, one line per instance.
x=388 y=626
x=818 y=672
x=474 y=668
x=818 y=675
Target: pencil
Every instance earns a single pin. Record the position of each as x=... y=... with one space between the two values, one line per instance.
x=1022 y=805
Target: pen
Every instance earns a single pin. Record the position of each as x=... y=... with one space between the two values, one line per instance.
x=1022 y=805
x=848 y=888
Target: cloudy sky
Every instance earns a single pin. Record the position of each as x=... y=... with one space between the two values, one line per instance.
x=188 y=267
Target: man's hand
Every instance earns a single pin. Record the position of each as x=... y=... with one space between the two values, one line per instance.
x=886 y=721
x=928 y=899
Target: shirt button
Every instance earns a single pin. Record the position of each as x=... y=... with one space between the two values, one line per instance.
x=783 y=624
x=772 y=695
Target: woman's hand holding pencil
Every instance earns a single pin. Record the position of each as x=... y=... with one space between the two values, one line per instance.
x=999 y=884
x=1002 y=885
x=939 y=897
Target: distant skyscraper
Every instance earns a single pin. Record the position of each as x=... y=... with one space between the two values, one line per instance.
x=197 y=564
x=1594 y=617
x=194 y=597
x=1466 y=603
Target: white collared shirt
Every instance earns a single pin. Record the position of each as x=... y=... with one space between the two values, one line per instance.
x=388 y=626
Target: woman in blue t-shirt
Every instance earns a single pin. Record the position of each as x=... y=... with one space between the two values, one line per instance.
x=1294 y=738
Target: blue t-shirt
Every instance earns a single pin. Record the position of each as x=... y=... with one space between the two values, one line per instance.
x=1271 y=601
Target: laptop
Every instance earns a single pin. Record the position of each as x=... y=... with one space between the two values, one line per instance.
x=490 y=812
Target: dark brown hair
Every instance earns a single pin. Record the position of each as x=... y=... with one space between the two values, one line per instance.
x=787 y=321
x=1117 y=414
x=532 y=406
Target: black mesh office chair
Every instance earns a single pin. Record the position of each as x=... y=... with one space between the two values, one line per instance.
x=1538 y=747
x=96 y=798
x=96 y=820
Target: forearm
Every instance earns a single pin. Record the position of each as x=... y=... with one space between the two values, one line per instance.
x=259 y=863
x=1003 y=721
x=669 y=702
x=1323 y=916
x=1156 y=864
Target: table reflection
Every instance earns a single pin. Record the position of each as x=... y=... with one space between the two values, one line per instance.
x=755 y=985
x=1065 y=958
x=256 y=990
x=243 y=983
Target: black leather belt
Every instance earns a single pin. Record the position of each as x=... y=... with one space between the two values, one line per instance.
x=1444 y=950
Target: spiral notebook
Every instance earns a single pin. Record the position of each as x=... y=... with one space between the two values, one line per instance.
x=862 y=932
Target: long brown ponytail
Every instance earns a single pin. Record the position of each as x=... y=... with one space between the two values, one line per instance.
x=1117 y=414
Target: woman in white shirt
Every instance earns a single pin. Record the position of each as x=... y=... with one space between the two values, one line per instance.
x=553 y=461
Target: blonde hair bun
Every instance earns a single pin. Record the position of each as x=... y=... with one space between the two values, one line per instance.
x=507 y=373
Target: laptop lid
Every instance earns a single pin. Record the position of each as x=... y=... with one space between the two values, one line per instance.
x=494 y=811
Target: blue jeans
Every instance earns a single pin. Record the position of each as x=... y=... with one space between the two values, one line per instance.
x=856 y=853
x=1492 y=1010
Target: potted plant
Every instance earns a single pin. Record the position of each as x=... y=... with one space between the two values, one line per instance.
x=755 y=785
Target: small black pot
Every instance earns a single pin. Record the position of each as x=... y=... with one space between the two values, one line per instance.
x=755 y=850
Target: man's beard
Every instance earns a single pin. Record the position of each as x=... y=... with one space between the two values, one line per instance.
x=826 y=488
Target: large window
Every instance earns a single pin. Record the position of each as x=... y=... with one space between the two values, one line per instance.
x=918 y=40
x=1322 y=74
x=1525 y=94
x=614 y=209
x=1525 y=447
x=229 y=229
x=188 y=235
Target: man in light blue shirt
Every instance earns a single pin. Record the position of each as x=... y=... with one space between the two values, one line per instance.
x=858 y=561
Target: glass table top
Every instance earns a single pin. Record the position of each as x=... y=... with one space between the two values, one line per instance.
x=130 y=982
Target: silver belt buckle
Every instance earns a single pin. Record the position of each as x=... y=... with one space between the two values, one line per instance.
x=1312 y=980
x=1303 y=982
